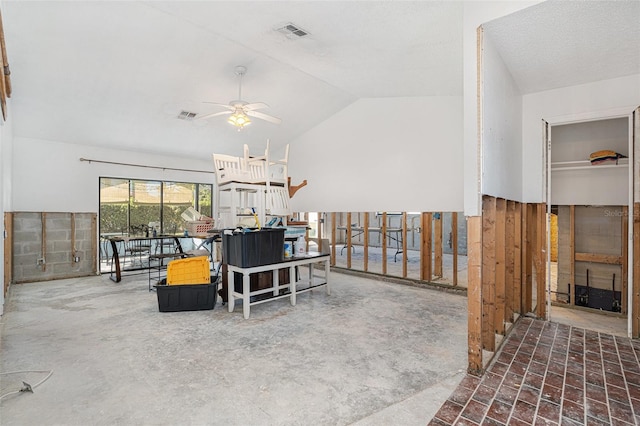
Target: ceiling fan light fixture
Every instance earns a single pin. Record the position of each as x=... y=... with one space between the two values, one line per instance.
x=239 y=119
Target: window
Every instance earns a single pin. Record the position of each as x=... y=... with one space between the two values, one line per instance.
x=138 y=207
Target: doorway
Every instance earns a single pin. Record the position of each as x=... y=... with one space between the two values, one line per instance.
x=588 y=182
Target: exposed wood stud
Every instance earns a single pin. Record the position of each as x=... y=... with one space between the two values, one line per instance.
x=488 y=272
x=348 y=236
x=94 y=243
x=437 y=235
x=8 y=250
x=608 y=259
x=474 y=294
x=541 y=262
x=454 y=244
x=73 y=237
x=319 y=231
x=517 y=259
x=383 y=232
x=404 y=244
x=635 y=321
x=425 y=247
x=527 y=263
x=572 y=254
x=334 y=229
x=43 y=219
x=500 y=291
x=509 y=260
x=365 y=249
x=625 y=257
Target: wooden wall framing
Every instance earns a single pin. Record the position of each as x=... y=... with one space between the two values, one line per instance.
x=430 y=244
x=635 y=321
x=505 y=247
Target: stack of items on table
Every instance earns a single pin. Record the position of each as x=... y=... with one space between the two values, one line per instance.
x=252 y=190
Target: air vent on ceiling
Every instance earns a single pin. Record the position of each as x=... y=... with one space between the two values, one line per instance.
x=292 y=31
x=186 y=115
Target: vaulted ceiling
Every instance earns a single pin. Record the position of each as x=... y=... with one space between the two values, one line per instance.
x=117 y=73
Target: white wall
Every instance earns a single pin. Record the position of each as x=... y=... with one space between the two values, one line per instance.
x=501 y=127
x=475 y=14
x=393 y=154
x=586 y=101
x=48 y=176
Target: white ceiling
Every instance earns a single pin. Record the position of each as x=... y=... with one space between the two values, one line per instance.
x=565 y=43
x=116 y=73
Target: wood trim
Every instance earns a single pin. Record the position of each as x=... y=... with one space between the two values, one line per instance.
x=454 y=243
x=383 y=243
x=608 y=259
x=488 y=272
x=474 y=295
x=404 y=244
x=365 y=248
x=425 y=247
x=500 y=267
x=334 y=228
x=437 y=234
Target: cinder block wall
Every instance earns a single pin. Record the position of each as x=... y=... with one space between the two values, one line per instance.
x=59 y=257
x=598 y=229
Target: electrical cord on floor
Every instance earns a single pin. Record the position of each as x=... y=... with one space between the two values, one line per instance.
x=26 y=387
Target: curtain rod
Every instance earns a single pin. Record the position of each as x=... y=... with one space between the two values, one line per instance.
x=144 y=166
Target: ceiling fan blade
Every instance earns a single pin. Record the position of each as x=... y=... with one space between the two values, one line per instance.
x=263 y=116
x=229 y=107
x=255 y=105
x=213 y=114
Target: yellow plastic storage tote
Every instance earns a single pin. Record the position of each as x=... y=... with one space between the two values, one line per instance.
x=192 y=270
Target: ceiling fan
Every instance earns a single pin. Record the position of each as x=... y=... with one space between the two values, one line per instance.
x=239 y=111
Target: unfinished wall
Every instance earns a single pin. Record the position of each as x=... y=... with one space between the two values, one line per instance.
x=598 y=230
x=35 y=261
x=413 y=231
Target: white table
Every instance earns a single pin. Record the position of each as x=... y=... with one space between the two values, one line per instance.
x=306 y=259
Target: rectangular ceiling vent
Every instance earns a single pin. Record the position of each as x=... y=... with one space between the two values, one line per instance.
x=186 y=115
x=292 y=31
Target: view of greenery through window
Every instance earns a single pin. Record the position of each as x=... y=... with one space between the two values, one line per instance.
x=138 y=207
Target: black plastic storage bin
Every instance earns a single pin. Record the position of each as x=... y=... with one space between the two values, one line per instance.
x=253 y=248
x=186 y=297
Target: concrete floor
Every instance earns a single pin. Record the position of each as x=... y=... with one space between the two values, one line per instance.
x=371 y=353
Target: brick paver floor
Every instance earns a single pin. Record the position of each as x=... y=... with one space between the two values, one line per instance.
x=551 y=374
